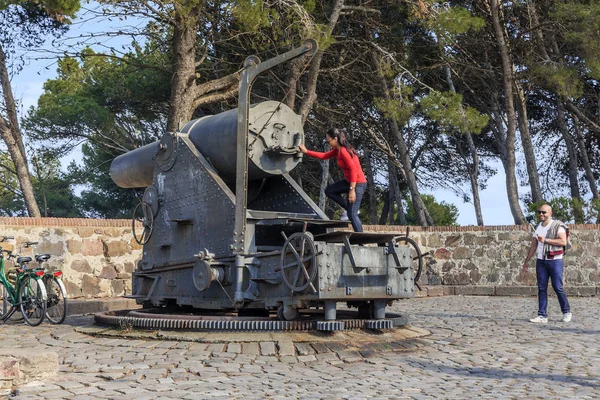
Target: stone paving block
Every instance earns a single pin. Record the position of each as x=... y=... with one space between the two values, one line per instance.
x=334 y=346
x=268 y=348
x=19 y=366
x=234 y=348
x=286 y=348
x=516 y=291
x=304 y=349
x=349 y=355
x=307 y=359
x=289 y=359
x=433 y=291
x=321 y=348
x=470 y=290
x=448 y=290
x=327 y=356
x=250 y=348
x=580 y=291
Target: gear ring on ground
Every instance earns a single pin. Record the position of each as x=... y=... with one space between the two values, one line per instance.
x=160 y=319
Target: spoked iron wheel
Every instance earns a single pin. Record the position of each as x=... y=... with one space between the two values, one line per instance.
x=142 y=214
x=298 y=261
x=416 y=256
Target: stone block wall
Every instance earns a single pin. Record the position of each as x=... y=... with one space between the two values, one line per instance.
x=97 y=257
x=494 y=255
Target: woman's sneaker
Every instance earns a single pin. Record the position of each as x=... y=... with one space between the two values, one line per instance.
x=344 y=216
x=539 y=320
x=567 y=317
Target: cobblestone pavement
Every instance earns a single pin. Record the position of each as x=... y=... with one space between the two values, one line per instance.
x=480 y=347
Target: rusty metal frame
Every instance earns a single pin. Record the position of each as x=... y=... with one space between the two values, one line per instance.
x=252 y=69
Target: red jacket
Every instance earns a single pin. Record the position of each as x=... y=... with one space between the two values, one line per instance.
x=347 y=162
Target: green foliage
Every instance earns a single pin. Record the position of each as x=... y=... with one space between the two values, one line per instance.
x=449 y=21
x=447 y=110
x=112 y=103
x=443 y=214
x=116 y=106
x=59 y=9
x=569 y=210
x=562 y=79
x=103 y=199
x=581 y=20
x=398 y=109
x=11 y=201
x=252 y=14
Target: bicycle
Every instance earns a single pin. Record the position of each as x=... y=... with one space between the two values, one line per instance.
x=56 y=305
x=28 y=292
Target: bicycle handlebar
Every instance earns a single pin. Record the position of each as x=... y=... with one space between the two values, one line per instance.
x=5 y=238
x=29 y=244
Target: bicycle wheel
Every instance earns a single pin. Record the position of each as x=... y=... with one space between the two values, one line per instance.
x=6 y=306
x=32 y=294
x=56 y=305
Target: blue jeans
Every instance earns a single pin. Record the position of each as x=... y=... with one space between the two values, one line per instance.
x=335 y=191
x=550 y=269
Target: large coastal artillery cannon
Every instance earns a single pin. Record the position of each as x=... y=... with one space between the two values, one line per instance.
x=225 y=227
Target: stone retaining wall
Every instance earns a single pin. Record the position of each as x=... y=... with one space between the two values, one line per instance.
x=98 y=256
x=493 y=256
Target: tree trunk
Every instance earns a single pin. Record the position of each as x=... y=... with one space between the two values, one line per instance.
x=10 y=133
x=423 y=217
x=315 y=65
x=395 y=185
x=512 y=187
x=585 y=161
x=371 y=186
x=324 y=180
x=184 y=67
x=473 y=166
x=571 y=151
x=532 y=169
x=385 y=210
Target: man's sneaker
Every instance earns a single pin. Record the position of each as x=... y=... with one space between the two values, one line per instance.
x=344 y=216
x=567 y=317
x=539 y=320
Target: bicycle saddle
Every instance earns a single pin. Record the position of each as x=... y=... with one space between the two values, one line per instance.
x=41 y=257
x=22 y=260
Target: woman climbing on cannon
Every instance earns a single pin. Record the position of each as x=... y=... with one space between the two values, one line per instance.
x=354 y=183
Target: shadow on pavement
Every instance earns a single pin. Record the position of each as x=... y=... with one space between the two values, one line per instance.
x=502 y=374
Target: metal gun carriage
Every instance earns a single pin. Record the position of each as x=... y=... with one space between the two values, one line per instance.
x=225 y=227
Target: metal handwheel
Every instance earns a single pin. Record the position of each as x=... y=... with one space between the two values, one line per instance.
x=298 y=261
x=418 y=257
x=143 y=213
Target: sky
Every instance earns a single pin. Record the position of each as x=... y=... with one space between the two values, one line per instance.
x=28 y=86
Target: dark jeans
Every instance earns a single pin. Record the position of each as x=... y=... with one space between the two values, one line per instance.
x=552 y=269
x=335 y=191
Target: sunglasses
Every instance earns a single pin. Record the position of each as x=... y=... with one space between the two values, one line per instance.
x=542 y=212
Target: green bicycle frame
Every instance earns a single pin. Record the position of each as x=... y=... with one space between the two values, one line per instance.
x=13 y=290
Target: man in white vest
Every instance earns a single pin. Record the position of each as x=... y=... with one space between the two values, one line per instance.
x=549 y=241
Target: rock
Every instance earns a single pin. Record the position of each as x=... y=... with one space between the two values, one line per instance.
x=82 y=266
x=92 y=247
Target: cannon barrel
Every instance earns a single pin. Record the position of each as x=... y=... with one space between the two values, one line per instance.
x=274 y=133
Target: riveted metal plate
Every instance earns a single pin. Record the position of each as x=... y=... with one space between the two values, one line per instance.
x=166 y=154
x=151 y=197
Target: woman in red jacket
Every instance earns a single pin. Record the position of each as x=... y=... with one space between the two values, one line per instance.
x=354 y=183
